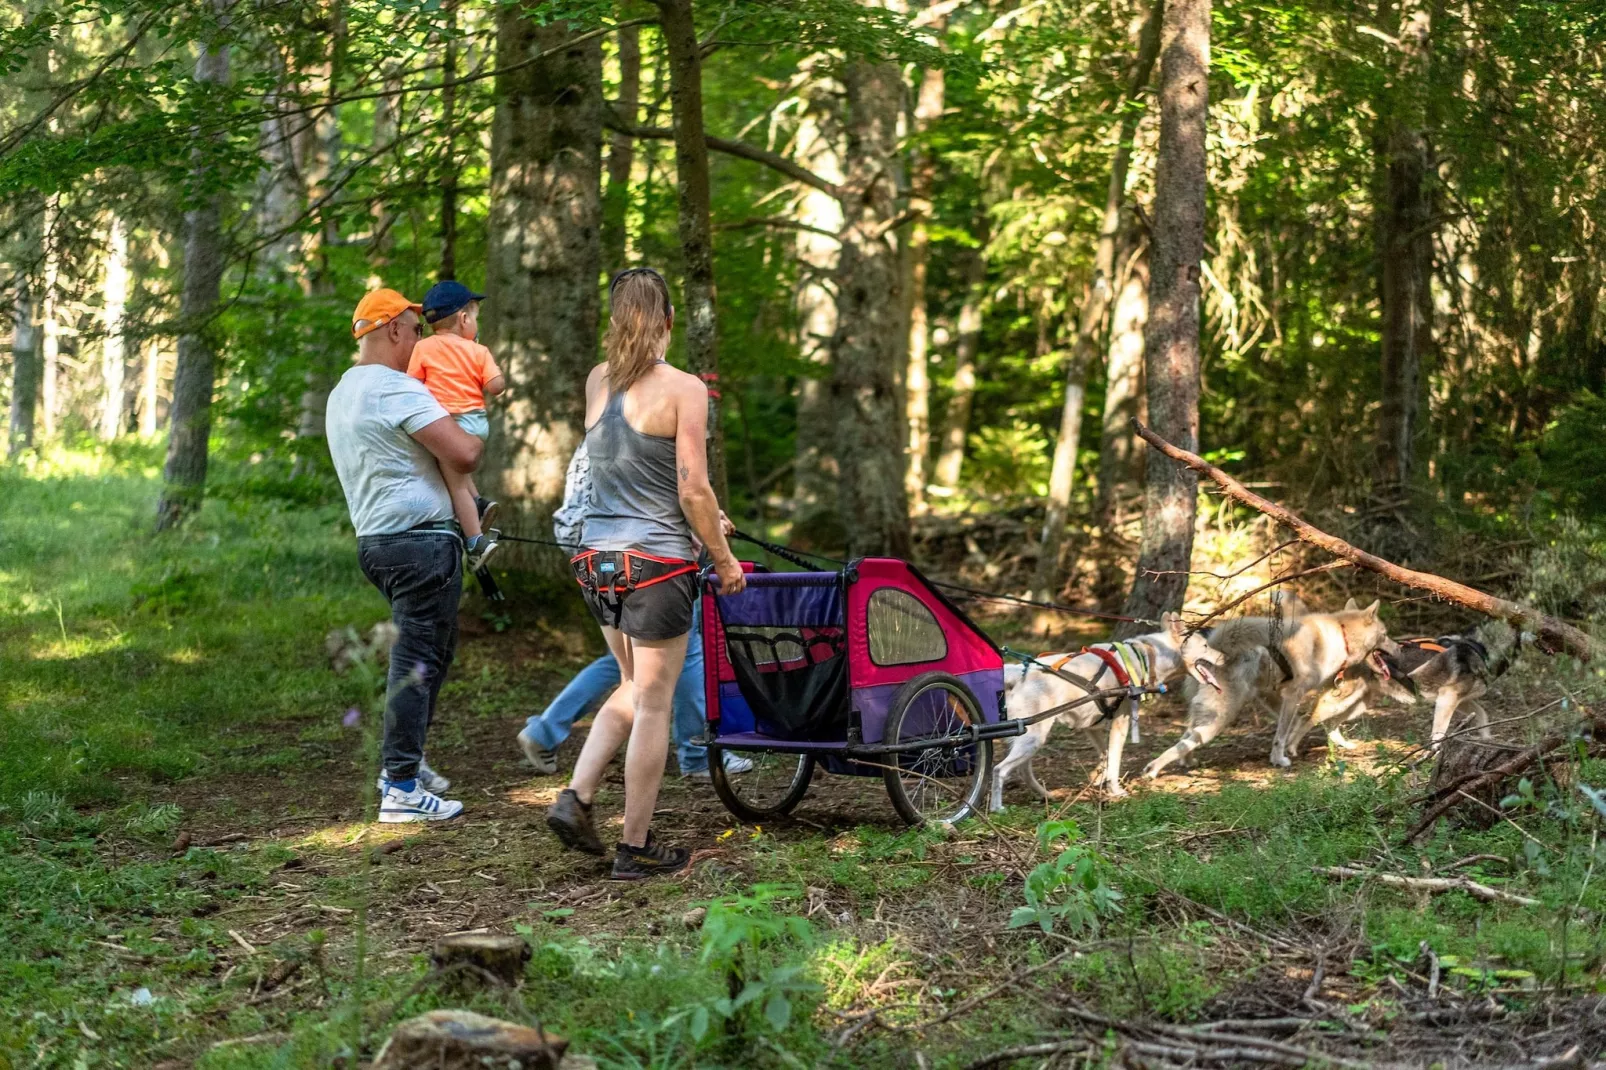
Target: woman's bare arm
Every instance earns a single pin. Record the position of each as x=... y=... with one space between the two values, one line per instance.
x=697 y=498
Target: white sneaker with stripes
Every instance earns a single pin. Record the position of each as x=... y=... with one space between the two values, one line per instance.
x=397 y=806
x=428 y=779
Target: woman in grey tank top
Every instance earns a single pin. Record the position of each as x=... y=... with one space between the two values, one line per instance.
x=646 y=425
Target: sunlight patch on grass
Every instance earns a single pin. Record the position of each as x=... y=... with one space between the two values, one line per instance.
x=861 y=976
x=186 y=655
x=78 y=646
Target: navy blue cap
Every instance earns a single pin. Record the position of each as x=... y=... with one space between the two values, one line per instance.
x=446 y=299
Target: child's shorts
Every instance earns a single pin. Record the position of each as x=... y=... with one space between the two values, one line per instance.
x=475 y=423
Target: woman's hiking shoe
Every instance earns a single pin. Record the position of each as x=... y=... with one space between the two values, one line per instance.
x=638 y=863
x=428 y=779
x=545 y=761
x=398 y=805
x=570 y=821
x=479 y=548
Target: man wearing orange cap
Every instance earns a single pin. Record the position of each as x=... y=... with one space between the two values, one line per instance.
x=390 y=439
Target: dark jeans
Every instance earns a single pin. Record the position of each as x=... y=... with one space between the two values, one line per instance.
x=421 y=576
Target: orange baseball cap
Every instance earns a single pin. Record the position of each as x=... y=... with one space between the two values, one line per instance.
x=379 y=307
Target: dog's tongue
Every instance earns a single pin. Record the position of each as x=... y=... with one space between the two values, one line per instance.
x=1379 y=664
x=1202 y=671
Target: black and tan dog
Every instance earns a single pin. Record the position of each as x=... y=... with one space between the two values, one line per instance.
x=1450 y=671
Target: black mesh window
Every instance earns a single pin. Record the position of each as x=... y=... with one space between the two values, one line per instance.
x=902 y=630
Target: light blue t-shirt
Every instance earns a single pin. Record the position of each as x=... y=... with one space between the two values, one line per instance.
x=391 y=482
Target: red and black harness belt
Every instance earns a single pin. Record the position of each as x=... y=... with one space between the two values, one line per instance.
x=610 y=575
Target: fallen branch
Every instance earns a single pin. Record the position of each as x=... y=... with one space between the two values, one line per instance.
x=1431 y=884
x=1030 y=1051
x=1451 y=793
x=1553 y=632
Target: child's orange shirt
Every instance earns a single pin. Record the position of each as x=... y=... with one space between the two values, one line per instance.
x=455 y=370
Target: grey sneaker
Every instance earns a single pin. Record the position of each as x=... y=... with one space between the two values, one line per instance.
x=735 y=765
x=480 y=548
x=487 y=510
x=545 y=761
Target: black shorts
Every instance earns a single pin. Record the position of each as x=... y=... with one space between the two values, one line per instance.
x=660 y=609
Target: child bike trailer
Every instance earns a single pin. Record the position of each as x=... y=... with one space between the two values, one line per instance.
x=869 y=671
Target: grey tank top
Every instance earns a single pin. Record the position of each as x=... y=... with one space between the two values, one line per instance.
x=635 y=501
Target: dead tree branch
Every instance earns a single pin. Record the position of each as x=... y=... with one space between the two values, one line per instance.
x=1554 y=633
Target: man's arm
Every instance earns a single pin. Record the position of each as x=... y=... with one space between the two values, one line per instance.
x=452 y=446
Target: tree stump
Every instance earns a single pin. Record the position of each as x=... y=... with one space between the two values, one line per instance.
x=503 y=957
x=463 y=1040
x=1461 y=757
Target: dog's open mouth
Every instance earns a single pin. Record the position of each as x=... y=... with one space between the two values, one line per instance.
x=1378 y=664
x=1206 y=674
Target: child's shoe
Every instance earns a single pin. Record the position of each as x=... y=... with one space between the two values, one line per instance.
x=487 y=510
x=479 y=548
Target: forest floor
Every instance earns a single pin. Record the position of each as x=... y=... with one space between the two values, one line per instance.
x=187 y=877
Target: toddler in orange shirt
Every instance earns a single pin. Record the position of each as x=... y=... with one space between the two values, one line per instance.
x=460 y=373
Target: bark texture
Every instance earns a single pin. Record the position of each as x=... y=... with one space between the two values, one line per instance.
x=1171 y=341
x=113 y=358
x=1405 y=234
x=184 y=475
x=543 y=262
x=463 y=1040
x=867 y=348
x=49 y=328
x=917 y=379
x=622 y=150
x=449 y=164
x=698 y=295
x=24 y=374
x=956 y=421
x=815 y=497
x=1091 y=318
x=1120 y=455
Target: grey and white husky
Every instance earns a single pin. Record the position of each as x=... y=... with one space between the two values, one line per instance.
x=1159 y=660
x=1450 y=671
x=1289 y=656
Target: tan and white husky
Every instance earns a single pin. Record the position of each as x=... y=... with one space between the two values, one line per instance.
x=1156 y=658
x=1289 y=656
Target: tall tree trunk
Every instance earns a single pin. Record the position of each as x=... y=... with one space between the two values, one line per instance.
x=329 y=357
x=956 y=425
x=1171 y=342
x=113 y=358
x=1405 y=234
x=696 y=223
x=449 y=165
x=1090 y=322
x=150 y=388
x=867 y=347
x=1120 y=457
x=815 y=499
x=917 y=380
x=543 y=260
x=622 y=151
x=49 y=328
x=24 y=373
x=184 y=476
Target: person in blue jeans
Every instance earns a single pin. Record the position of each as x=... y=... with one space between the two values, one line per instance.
x=546 y=731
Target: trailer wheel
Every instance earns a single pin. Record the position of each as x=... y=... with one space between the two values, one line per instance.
x=771 y=789
x=946 y=781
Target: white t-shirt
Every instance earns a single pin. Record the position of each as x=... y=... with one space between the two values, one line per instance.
x=391 y=482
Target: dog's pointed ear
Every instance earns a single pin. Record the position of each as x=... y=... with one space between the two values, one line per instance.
x=1172 y=625
x=1351 y=604
x=1371 y=610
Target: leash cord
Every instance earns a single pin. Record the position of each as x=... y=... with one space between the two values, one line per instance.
x=800 y=558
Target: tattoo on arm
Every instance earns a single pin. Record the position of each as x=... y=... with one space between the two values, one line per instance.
x=685 y=473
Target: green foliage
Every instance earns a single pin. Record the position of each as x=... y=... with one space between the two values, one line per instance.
x=758 y=992
x=1069 y=890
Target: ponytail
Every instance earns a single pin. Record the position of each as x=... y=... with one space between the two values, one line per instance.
x=638 y=319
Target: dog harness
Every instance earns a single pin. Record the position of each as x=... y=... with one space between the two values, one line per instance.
x=611 y=575
x=1130 y=666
